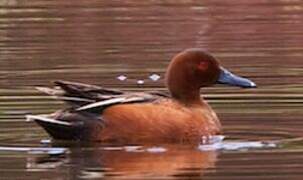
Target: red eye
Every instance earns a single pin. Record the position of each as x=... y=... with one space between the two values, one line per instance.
x=203 y=65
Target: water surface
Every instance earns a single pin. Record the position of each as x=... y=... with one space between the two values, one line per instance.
x=96 y=41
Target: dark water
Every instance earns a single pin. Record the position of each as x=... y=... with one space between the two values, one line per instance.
x=95 y=41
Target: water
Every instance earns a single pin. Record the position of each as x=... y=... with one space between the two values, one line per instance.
x=97 y=41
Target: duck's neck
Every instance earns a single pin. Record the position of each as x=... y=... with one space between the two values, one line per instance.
x=187 y=95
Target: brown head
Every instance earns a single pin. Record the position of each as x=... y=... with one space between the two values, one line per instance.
x=192 y=69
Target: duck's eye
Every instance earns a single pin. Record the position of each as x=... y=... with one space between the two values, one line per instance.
x=203 y=66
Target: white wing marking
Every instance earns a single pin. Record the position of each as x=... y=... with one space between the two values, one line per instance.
x=45 y=119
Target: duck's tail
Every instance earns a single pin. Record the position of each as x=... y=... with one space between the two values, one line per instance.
x=65 y=128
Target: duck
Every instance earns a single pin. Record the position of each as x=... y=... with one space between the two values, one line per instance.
x=98 y=114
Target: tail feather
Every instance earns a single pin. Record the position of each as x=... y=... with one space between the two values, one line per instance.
x=59 y=129
x=66 y=125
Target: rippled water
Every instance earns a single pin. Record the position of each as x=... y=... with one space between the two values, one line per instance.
x=96 y=41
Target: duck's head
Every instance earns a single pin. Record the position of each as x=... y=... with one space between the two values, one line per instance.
x=192 y=69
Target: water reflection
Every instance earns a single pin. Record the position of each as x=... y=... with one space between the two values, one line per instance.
x=91 y=162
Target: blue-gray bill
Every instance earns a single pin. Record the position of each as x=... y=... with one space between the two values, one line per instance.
x=229 y=78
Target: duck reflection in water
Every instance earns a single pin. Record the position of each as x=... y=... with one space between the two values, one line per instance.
x=129 y=162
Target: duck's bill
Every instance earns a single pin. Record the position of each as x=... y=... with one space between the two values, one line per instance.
x=231 y=79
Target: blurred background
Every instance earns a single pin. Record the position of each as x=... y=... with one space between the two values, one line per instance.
x=98 y=40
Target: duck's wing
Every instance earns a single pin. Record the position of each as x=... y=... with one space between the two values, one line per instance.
x=85 y=97
x=87 y=103
x=77 y=122
x=78 y=94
